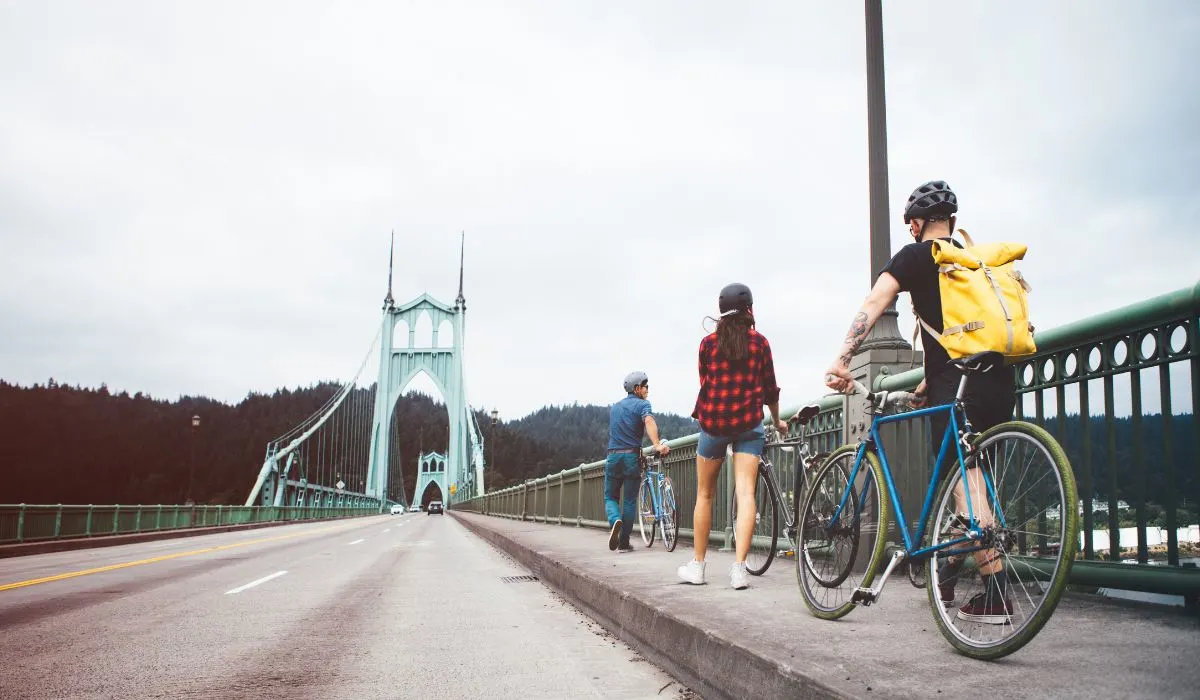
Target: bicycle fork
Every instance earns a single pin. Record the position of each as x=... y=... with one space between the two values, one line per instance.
x=865 y=596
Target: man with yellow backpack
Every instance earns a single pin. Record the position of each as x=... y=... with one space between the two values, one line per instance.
x=984 y=310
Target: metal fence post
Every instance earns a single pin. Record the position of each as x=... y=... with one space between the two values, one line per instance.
x=137 y=520
x=158 y=517
x=21 y=524
x=87 y=524
x=116 y=519
x=579 y=506
x=58 y=521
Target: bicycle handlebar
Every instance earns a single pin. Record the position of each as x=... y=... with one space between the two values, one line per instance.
x=882 y=398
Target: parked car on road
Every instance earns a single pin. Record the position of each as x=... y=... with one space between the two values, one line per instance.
x=435 y=507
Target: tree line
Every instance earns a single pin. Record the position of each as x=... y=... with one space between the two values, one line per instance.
x=70 y=444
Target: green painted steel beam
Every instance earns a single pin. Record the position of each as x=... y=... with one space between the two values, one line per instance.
x=1160 y=309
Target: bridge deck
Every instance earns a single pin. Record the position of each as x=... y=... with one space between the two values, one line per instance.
x=762 y=642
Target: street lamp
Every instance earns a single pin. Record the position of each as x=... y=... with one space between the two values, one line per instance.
x=192 y=460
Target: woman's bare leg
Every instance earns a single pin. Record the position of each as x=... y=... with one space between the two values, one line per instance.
x=706 y=486
x=745 y=479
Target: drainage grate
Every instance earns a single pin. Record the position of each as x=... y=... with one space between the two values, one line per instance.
x=518 y=579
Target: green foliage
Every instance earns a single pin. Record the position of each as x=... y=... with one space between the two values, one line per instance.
x=66 y=444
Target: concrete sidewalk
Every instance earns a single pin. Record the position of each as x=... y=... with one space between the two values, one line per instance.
x=763 y=643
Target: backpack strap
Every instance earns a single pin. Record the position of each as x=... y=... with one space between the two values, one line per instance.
x=966 y=237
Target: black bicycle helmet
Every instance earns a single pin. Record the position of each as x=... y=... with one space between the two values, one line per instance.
x=735 y=297
x=635 y=379
x=934 y=198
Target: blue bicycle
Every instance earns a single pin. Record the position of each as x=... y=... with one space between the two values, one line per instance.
x=656 y=503
x=1010 y=506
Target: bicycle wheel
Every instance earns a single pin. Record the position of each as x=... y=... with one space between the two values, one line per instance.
x=669 y=522
x=766 y=521
x=646 y=513
x=836 y=556
x=1030 y=525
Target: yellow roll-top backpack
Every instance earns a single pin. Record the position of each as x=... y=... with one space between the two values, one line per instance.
x=984 y=303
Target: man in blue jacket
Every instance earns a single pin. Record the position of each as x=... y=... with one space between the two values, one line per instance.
x=628 y=421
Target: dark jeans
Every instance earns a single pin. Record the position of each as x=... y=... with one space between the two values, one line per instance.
x=622 y=476
x=989 y=400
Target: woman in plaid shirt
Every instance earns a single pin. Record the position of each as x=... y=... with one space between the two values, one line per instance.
x=737 y=377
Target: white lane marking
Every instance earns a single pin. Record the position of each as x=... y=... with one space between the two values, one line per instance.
x=388 y=529
x=356 y=541
x=252 y=584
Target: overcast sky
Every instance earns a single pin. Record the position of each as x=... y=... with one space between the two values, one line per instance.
x=196 y=198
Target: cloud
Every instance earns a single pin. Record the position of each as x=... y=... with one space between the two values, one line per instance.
x=197 y=199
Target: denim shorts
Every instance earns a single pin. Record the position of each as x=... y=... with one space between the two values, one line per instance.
x=713 y=446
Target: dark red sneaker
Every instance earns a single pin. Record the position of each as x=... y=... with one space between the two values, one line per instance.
x=987 y=609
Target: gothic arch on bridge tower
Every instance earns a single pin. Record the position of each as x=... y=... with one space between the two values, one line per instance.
x=444 y=336
x=423 y=331
x=431 y=474
x=419 y=382
x=398 y=366
x=402 y=335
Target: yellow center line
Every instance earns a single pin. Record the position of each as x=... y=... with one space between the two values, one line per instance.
x=165 y=557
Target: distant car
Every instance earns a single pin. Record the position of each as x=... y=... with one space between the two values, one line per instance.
x=414 y=508
x=397 y=509
x=435 y=507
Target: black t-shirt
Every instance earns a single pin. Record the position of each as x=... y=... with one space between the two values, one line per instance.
x=914 y=269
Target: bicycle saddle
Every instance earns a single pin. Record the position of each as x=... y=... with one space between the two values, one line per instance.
x=980 y=362
x=806 y=414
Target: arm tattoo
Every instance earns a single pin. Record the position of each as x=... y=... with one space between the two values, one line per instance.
x=855 y=337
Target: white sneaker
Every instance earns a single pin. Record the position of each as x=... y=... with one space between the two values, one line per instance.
x=692 y=572
x=739 y=578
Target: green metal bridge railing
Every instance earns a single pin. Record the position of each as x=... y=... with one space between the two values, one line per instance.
x=1160 y=334
x=34 y=523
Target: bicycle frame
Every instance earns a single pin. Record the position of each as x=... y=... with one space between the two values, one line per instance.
x=875 y=443
x=652 y=478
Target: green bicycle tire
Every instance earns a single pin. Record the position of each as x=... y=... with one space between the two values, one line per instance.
x=1068 y=545
x=805 y=521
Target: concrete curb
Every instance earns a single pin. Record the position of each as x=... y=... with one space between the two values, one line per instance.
x=708 y=663
x=45 y=546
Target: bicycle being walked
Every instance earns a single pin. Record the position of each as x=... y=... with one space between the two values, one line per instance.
x=1004 y=520
x=775 y=514
x=656 y=503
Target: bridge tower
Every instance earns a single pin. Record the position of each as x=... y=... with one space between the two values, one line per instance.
x=431 y=469
x=463 y=461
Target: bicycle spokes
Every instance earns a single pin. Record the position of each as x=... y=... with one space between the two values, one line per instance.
x=996 y=589
x=841 y=528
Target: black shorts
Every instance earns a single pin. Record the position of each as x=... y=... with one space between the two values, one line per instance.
x=989 y=400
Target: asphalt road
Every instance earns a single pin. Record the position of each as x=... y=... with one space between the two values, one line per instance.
x=382 y=607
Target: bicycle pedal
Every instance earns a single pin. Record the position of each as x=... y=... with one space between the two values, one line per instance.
x=862 y=596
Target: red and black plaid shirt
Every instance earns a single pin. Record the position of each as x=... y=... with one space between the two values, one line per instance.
x=732 y=392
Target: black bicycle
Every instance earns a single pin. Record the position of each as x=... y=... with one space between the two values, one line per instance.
x=768 y=496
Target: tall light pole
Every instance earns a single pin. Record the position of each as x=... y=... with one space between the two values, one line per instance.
x=885 y=335
x=495 y=420
x=192 y=460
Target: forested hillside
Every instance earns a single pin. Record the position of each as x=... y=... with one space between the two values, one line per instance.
x=64 y=444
